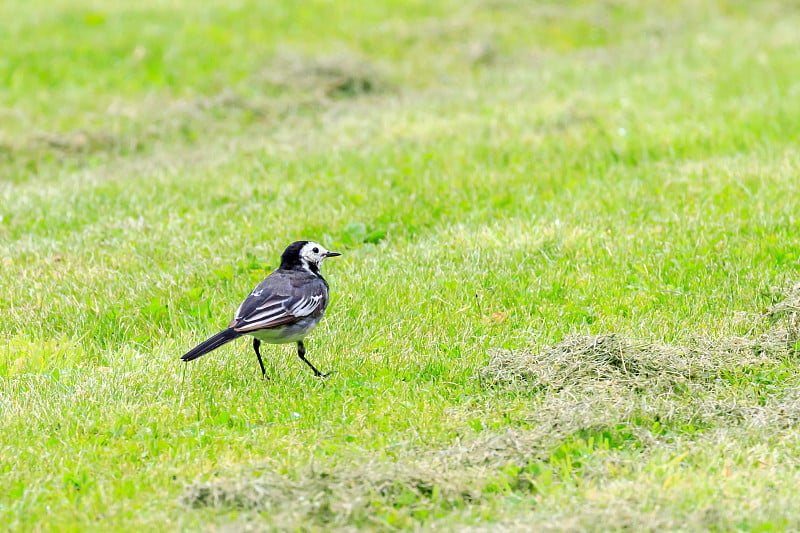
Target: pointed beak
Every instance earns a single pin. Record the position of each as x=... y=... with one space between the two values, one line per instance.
x=332 y=254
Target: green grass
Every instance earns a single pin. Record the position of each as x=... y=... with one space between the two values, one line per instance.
x=498 y=174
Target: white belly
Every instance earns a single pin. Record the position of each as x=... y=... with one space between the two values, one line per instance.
x=288 y=333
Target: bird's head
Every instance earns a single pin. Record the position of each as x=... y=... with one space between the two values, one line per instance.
x=305 y=254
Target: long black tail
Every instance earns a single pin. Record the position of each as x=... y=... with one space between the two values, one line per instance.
x=220 y=339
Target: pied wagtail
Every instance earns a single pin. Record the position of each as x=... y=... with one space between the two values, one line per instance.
x=283 y=308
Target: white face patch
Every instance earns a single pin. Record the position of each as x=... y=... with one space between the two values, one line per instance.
x=313 y=253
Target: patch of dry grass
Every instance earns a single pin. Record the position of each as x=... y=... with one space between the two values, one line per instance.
x=585 y=360
x=327 y=77
x=291 y=85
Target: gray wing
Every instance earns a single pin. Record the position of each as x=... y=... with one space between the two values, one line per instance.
x=282 y=298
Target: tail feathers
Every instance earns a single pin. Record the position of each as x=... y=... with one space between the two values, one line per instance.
x=220 y=339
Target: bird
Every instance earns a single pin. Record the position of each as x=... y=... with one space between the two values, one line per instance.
x=282 y=309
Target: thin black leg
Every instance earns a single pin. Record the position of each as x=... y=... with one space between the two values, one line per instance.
x=301 y=351
x=256 y=346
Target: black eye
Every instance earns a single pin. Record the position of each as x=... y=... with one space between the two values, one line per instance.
x=315 y=250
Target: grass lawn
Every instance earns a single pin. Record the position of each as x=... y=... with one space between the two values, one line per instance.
x=567 y=299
